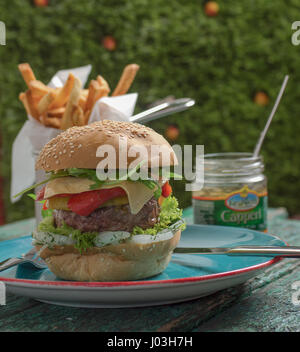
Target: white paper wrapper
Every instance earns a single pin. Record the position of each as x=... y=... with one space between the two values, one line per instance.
x=33 y=135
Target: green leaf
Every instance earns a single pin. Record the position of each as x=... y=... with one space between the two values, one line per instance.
x=32 y=195
x=169 y=214
x=83 y=240
x=91 y=174
x=31 y=187
x=46 y=212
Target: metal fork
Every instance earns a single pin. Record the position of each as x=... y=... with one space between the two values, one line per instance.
x=31 y=257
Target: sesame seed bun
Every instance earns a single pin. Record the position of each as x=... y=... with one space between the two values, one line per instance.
x=121 y=262
x=77 y=146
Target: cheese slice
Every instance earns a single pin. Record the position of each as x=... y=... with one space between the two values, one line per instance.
x=138 y=194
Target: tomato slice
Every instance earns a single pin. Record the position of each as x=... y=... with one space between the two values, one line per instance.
x=64 y=195
x=86 y=202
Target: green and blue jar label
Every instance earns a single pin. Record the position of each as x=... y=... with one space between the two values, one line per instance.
x=242 y=208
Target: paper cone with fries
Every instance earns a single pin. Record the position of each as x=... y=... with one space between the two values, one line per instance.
x=59 y=105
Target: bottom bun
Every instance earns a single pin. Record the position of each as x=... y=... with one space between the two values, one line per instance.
x=121 y=262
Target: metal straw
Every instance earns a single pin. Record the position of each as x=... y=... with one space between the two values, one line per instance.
x=265 y=130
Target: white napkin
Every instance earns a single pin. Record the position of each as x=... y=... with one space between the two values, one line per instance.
x=33 y=135
x=118 y=108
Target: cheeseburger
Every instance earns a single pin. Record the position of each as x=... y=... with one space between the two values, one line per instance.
x=105 y=230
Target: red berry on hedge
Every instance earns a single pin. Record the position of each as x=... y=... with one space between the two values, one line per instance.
x=41 y=3
x=172 y=132
x=261 y=98
x=109 y=43
x=211 y=8
x=166 y=190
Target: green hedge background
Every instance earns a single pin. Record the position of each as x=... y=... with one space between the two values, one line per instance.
x=219 y=61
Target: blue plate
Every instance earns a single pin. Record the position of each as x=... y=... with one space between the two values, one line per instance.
x=202 y=274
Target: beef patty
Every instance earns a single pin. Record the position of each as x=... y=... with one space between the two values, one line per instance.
x=112 y=218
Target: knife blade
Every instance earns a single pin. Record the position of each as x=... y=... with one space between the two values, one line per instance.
x=263 y=251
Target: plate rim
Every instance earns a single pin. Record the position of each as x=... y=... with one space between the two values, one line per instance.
x=111 y=284
x=143 y=283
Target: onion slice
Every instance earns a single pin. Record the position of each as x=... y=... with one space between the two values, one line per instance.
x=144 y=239
x=110 y=237
x=163 y=235
x=52 y=239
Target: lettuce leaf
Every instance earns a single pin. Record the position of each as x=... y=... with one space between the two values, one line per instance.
x=169 y=214
x=83 y=240
x=91 y=174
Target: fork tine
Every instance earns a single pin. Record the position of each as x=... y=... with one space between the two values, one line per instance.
x=24 y=258
x=34 y=258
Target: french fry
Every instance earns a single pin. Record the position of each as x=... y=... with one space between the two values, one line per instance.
x=126 y=79
x=45 y=102
x=103 y=83
x=22 y=97
x=26 y=73
x=78 y=116
x=82 y=101
x=33 y=111
x=104 y=88
x=84 y=92
x=72 y=103
x=102 y=92
x=56 y=112
x=39 y=89
x=95 y=92
x=94 y=88
x=63 y=95
x=24 y=100
x=54 y=122
x=86 y=116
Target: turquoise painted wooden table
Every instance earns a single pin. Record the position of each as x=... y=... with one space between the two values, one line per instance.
x=267 y=302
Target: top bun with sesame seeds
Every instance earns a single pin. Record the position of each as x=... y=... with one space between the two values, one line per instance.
x=77 y=146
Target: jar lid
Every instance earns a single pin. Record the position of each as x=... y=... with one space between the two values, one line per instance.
x=230 y=164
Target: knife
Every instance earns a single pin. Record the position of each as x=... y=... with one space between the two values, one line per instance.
x=263 y=251
x=162 y=110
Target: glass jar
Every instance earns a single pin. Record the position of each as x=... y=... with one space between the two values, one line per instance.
x=234 y=192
